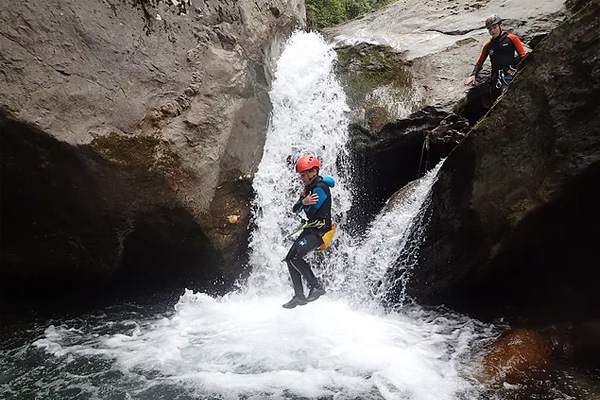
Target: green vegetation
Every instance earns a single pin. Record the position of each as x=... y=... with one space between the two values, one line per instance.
x=324 y=13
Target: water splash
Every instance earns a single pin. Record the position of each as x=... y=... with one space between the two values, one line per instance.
x=236 y=347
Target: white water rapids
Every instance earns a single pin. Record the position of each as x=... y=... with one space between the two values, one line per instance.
x=245 y=345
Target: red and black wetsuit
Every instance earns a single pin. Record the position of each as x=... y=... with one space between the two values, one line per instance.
x=502 y=53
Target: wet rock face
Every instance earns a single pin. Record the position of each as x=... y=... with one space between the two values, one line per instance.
x=70 y=225
x=378 y=85
x=411 y=58
x=439 y=42
x=400 y=152
x=120 y=120
x=514 y=226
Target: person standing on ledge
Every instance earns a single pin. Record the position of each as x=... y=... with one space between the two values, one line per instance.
x=505 y=51
x=315 y=201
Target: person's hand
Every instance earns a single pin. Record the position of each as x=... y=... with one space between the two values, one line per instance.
x=303 y=193
x=311 y=199
x=470 y=80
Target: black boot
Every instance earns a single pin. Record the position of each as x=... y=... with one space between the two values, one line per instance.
x=315 y=292
x=297 y=300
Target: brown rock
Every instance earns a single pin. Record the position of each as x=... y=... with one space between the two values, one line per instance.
x=515 y=355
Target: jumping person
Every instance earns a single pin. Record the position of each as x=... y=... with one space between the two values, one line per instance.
x=501 y=48
x=315 y=201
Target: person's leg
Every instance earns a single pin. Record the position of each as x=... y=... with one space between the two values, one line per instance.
x=296 y=280
x=298 y=299
x=306 y=243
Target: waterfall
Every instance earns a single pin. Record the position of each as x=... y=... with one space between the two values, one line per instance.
x=244 y=344
x=367 y=279
x=308 y=117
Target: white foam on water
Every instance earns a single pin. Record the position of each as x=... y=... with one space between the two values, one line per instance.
x=237 y=346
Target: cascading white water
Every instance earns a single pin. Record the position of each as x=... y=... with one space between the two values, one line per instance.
x=245 y=345
x=370 y=257
x=308 y=117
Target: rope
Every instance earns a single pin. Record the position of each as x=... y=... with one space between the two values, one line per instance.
x=312 y=224
x=425 y=147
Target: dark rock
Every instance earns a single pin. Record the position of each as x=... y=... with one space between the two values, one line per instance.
x=400 y=152
x=515 y=226
x=477 y=102
x=575 y=341
x=391 y=157
x=71 y=227
x=450 y=131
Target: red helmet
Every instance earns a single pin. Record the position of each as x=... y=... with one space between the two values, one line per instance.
x=307 y=162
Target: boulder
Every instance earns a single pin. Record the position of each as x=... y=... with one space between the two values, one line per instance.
x=515 y=356
x=125 y=128
x=514 y=224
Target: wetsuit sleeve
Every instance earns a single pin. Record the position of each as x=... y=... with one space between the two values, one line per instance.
x=481 y=60
x=312 y=209
x=298 y=206
x=518 y=45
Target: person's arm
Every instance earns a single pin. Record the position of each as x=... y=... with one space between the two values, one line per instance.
x=518 y=45
x=479 y=65
x=320 y=198
x=305 y=201
x=298 y=206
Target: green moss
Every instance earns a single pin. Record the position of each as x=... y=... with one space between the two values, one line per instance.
x=147 y=152
x=365 y=67
x=9 y=113
x=127 y=150
x=376 y=117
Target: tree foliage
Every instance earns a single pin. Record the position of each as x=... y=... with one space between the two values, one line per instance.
x=324 y=13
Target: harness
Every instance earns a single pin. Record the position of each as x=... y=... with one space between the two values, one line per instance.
x=308 y=224
x=505 y=76
x=327 y=236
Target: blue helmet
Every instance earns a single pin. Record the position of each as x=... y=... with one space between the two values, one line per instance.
x=492 y=19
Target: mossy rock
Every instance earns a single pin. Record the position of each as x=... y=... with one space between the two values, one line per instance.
x=365 y=67
x=127 y=150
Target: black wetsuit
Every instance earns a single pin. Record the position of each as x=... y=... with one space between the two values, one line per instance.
x=310 y=238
